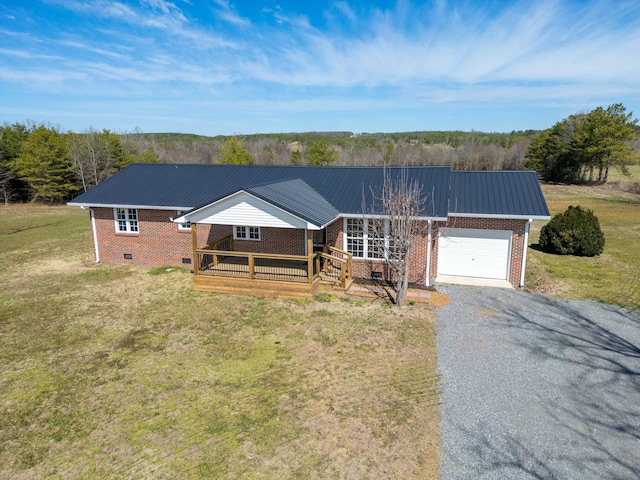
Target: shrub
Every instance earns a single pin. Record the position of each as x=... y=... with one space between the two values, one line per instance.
x=573 y=232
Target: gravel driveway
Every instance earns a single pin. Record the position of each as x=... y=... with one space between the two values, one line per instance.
x=535 y=387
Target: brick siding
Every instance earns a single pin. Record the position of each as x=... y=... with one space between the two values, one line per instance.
x=159 y=242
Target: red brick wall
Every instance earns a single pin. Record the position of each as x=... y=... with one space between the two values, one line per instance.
x=334 y=234
x=282 y=241
x=362 y=268
x=518 y=228
x=159 y=242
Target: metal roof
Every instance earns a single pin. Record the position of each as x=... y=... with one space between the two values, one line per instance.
x=297 y=197
x=185 y=187
x=507 y=194
x=321 y=190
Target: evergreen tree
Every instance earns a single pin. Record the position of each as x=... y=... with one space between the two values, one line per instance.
x=11 y=139
x=602 y=141
x=234 y=152
x=320 y=153
x=574 y=149
x=43 y=162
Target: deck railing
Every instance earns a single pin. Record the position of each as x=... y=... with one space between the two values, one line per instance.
x=333 y=264
x=336 y=264
x=255 y=266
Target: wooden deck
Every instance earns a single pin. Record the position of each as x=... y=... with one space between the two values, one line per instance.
x=279 y=276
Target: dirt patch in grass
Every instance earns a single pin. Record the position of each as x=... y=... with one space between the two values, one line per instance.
x=385 y=293
x=113 y=372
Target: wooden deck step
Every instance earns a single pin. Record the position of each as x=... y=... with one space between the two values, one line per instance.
x=238 y=286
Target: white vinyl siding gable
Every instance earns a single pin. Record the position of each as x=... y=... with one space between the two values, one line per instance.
x=247 y=210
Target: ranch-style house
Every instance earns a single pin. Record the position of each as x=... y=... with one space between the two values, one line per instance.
x=289 y=231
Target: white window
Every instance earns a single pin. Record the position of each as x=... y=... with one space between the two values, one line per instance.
x=367 y=237
x=246 y=233
x=183 y=225
x=126 y=220
x=355 y=236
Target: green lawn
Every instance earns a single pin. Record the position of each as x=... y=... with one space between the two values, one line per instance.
x=126 y=372
x=614 y=276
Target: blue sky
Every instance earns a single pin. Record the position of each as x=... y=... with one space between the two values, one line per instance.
x=222 y=67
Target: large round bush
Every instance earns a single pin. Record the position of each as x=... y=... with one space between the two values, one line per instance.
x=576 y=231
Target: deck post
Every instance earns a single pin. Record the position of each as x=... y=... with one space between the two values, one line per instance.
x=194 y=245
x=251 y=266
x=310 y=256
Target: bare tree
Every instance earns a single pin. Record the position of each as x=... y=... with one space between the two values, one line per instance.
x=94 y=156
x=394 y=226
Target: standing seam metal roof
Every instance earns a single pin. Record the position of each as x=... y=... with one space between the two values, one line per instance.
x=346 y=189
x=497 y=193
x=297 y=197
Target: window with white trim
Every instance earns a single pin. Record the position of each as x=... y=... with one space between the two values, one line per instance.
x=355 y=236
x=376 y=238
x=246 y=233
x=367 y=237
x=183 y=225
x=126 y=220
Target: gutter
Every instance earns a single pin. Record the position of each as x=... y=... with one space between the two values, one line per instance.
x=524 y=251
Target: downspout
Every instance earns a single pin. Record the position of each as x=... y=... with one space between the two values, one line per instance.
x=95 y=235
x=428 y=279
x=524 y=251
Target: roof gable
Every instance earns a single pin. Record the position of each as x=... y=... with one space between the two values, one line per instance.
x=243 y=208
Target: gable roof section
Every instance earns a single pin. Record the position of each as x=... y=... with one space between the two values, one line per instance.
x=497 y=194
x=244 y=208
x=186 y=187
x=297 y=197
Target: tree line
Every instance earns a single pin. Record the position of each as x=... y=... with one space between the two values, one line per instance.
x=42 y=163
x=462 y=150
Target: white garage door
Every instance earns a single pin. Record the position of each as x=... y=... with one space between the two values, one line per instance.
x=474 y=253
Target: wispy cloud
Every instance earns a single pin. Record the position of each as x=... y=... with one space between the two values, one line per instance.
x=341 y=55
x=530 y=40
x=154 y=14
x=227 y=14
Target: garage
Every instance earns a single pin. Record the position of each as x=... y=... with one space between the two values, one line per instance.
x=484 y=254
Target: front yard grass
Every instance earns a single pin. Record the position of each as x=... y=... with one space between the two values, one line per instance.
x=126 y=372
x=614 y=276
